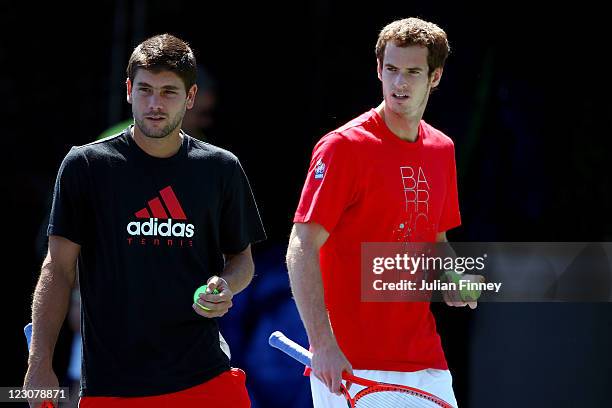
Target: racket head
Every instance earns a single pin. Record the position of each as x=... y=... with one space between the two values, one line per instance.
x=396 y=396
x=378 y=387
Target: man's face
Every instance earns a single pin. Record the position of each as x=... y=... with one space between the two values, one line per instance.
x=405 y=79
x=159 y=101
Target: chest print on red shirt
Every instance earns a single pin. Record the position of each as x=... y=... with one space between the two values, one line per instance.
x=414 y=224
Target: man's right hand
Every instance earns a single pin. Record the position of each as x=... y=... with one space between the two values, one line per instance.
x=328 y=364
x=40 y=378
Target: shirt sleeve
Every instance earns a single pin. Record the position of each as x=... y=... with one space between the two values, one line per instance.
x=240 y=221
x=68 y=211
x=331 y=183
x=451 y=216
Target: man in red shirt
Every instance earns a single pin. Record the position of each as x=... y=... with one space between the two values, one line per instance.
x=385 y=176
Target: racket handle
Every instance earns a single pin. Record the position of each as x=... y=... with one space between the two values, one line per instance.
x=291 y=348
x=28 y=333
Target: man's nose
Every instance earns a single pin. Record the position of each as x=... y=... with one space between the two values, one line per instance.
x=155 y=102
x=400 y=80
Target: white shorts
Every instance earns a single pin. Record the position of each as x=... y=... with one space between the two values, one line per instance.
x=436 y=382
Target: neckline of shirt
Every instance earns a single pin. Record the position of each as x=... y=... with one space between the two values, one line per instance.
x=387 y=134
x=141 y=154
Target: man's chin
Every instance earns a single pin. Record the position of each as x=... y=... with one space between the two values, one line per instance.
x=155 y=135
x=155 y=132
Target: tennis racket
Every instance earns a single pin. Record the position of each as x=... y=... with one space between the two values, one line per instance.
x=375 y=394
x=27 y=330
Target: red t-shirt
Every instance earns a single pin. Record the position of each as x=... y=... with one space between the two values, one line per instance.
x=365 y=184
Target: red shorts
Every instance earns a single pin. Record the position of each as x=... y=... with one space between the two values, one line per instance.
x=227 y=390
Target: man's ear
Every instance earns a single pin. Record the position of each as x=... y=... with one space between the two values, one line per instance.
x=378 y=69
x=191 y=94
x=436 y=77
x=128 y=86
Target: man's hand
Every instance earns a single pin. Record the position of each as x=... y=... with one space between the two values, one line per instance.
x=218 y=304
x=455 y=298
x=328 y=363
x=40 y=378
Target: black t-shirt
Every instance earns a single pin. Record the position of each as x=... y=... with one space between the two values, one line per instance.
x=151 y=231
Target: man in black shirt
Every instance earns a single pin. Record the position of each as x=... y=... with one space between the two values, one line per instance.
x=150 y=214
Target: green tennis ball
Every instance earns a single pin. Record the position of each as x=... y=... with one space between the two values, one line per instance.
x=196 y=295
x=467 y=295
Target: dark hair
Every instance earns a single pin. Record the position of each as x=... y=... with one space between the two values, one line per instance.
x=164 y=52
x=414 y=31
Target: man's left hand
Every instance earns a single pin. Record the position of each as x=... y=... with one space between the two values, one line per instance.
x=454 y=297
x=218 y=304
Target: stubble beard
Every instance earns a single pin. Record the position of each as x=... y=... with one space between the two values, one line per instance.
x=410 y=111
x=163 y=132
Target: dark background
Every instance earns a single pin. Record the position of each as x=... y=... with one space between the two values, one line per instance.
x=524 y=95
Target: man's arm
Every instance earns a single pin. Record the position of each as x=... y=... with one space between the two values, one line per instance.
x=328 y=361
x=239 y=269
x=237 y=274
x=49 y=308
x=441 y=237
x=453 y=297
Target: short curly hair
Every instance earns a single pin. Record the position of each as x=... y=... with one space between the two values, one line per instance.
x=414 y=31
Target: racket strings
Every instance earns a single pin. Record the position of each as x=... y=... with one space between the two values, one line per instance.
x=373 y=398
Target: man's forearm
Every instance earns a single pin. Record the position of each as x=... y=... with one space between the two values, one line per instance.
x=238 y=270
x=49 y=308
x=307 y=287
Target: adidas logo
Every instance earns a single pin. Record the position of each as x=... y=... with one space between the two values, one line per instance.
x=164 y=229
x=159 y=211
